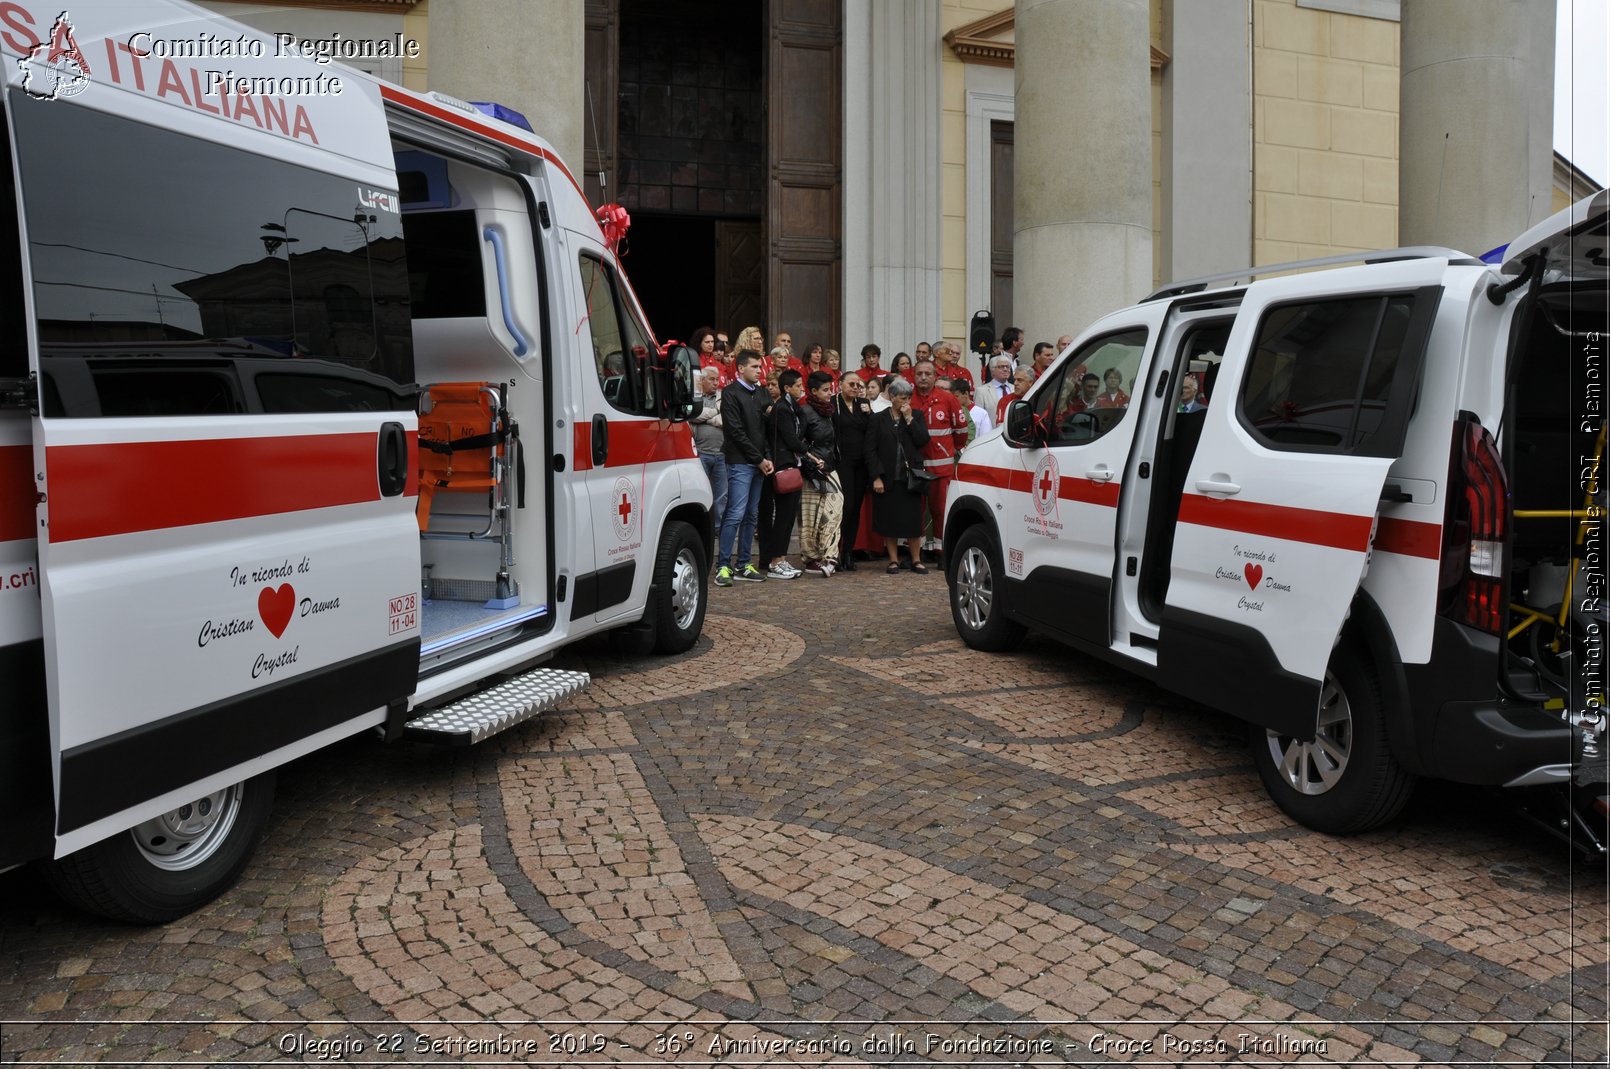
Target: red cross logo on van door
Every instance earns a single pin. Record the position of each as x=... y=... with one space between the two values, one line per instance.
x=1045 y=481
x=623 y=505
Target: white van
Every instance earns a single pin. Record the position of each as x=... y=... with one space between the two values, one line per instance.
x=324 y=408
x=1345 y=505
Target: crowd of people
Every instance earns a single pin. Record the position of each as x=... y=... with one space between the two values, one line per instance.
x=859 y=461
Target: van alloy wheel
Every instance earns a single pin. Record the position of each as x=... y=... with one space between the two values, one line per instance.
x=977 y=595
x=1346 y=779
x=1315 y=767
x=975 y=587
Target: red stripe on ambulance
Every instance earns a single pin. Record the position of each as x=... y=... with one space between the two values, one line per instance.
x=1409 y=538
x=1069 y=487
x=96 y=491
x=634 y=442
x=17 y=494
x=1334 y=529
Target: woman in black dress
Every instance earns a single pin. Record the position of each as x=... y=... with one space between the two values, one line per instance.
x=894 y=442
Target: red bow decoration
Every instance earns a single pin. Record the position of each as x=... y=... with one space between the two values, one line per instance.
x=614 y=220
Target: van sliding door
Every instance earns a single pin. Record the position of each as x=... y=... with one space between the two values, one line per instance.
x=1278 y=515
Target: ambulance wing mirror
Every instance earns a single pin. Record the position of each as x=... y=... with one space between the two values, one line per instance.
x=1021 y=431
x=683 y=398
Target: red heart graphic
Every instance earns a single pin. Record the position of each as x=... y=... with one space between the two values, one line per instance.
x=1254 y=572
x=275 y=607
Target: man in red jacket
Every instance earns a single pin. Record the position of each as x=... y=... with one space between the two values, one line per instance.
x=947 y=433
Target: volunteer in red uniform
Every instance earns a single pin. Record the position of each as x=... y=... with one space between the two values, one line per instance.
x=948 y=364
x=871 y=363
x=947 y=431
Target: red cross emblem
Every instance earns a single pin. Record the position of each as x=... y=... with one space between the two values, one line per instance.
x=1046 y=478
x=625 y=509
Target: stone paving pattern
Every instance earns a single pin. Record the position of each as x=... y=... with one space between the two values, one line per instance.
x=831 y=834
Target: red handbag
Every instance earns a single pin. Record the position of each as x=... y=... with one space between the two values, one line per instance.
x=786 y=480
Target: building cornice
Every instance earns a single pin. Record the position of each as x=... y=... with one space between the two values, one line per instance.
x=978 y=42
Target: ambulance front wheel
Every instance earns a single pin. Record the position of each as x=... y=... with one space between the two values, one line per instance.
x=678 y=595
x=1345 y=780
x=173 y=863
x=977 y=597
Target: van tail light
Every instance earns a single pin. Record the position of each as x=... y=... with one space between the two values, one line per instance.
x=1476 y=530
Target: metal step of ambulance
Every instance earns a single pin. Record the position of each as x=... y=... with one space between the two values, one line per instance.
x=484 y=714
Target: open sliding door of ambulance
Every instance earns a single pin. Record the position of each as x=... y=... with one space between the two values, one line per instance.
x=229 y=554
x=1305 y=416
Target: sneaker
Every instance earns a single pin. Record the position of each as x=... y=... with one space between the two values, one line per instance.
x=815 y=567
x=828 y=568
x=782 y=570
x=750 y=574
x=723 y=576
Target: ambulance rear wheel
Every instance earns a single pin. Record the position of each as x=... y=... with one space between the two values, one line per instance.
x=679 y=595
x=977 y=597
x=1345 y=780
x=172 y=864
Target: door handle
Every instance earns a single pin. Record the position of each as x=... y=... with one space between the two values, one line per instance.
x=393 y=460
x=600 y=440
x=1099 y=474
x=1219 y=484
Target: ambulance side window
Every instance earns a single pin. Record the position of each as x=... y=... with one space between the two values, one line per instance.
x=1321 y=374
x=151 y=252
x=622 y=351
x=1091 y=394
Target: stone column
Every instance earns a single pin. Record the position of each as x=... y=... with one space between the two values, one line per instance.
x=1082 y=211
x=1207 y=139
x=1476 y=138
x=525 y=54
x=891 y=175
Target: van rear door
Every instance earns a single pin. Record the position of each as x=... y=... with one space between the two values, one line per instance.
x=230 y=563
x=1307 y=414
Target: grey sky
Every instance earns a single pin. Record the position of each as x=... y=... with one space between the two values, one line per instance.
x=1581 y=91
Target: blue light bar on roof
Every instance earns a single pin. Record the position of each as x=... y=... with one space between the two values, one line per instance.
x=508 y=115
x=1494 y=256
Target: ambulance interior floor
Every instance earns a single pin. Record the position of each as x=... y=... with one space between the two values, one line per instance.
x=443 y=617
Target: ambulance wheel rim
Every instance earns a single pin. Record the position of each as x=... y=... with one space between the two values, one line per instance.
x=686 y=589
x=975 y=587
x=1315 y=767
x=185 y=837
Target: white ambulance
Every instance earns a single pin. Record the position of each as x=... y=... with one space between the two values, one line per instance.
x=1356 y=507
x=325 y=407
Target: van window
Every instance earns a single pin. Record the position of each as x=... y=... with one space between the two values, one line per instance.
x=148 y=241
x=1321 y=372
x=1091 y=389
x=622 y=351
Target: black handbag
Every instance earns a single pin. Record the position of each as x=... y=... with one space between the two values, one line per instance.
x=917 y=479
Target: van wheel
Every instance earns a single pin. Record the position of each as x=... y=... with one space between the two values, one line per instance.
x=977 y=599
x=1346 y=780
x=171 y=864
x=679 y=594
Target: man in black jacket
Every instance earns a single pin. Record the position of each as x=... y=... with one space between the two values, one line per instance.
x=743 y=419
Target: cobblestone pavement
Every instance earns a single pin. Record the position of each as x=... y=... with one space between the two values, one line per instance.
x=831 y=834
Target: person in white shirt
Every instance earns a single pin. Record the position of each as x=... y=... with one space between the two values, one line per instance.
x=874 y=395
